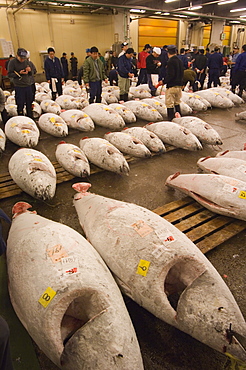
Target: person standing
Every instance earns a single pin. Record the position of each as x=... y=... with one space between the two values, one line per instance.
x=199 y=66
x=142 y=78
x=215 y=63
x=88 y=53
x=240 y=70
x=125 y=72
x=174 y=82
x=183 y=58
x=233 y=81
x=5 y=358
x=153 y=64
x=93 y=74
x=3 y=111
x=124 y=47
x=74 y=66
x=34 y=71
x=54 y=73
x=64 y=64
x=164 y=60
x=20 y=72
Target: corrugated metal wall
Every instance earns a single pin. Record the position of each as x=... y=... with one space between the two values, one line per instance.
x=157 y=32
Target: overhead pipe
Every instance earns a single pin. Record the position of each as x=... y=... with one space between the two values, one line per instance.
x=22 y=6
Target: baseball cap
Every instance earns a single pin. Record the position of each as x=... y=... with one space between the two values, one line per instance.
x=147 y=46
x=124 y=44
x=157 y=50
x=171 y=47
x=88 y=50
x=22 y=53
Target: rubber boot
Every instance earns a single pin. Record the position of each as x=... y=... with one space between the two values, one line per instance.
x=153 y=92
x=170 y=113
x=125 y=97
x=5 y=116
x=54 y=96
x=122 y=97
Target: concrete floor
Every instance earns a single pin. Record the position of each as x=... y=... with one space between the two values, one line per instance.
x=163 y=347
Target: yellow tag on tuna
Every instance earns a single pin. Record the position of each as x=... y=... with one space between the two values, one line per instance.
x=47 y=297
x=242 y=194
x=38 y=159
x=76 y=151
x=52 y=119
x=106 y=108
x=25 y=131
x=13 y=124
x=143 y=267
x=157 y=103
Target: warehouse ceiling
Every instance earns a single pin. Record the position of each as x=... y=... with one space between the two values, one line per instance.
x=205 y=10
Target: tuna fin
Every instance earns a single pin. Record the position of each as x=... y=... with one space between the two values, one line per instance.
x=62 y=142
x=174 y=176
x=204 y=159
x=20 y=208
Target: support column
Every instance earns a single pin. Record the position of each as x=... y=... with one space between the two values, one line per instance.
x=216 y=30
x=122 y=26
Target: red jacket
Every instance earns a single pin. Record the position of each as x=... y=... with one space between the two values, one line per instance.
x=142 y=59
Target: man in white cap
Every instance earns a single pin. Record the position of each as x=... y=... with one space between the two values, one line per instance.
x=124 y=47
x=153 y=64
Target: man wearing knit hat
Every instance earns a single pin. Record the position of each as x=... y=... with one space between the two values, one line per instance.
x=153 y=64
x=174 y=82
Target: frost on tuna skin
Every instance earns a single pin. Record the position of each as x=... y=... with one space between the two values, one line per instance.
x=165 y=272
x=84 y=323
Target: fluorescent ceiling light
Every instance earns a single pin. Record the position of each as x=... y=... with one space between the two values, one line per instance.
x=234 y=22
x=157 y=12
x=169 y=1
x=137 y=10
x=227 y=2
x=166 y=13
x=237 y=10
x=242 y=16
x=180 y=15
x=195 y=7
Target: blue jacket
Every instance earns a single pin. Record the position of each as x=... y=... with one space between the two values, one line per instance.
x=53 y=69
x=184 y=60
x=215 y=61
x=241 y=62
x=124 y=66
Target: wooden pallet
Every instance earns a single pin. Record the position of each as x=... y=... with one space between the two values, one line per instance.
x=205 y=228
x=8 y=187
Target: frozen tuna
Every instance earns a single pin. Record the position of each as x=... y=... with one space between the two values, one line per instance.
x=215 y=99
x=11 y=110
x=240 y=154
x=104 y=116
x=127 y=115
x=152 y=261
x=228 y=94
x=143 y=111
x=73 y=159
x=224 y=166
x=194 y=101
x=139 y=92
x=113 y=90
x=150 y=140
x=53 y=124
x=77 y=119
x=71 y=306
x=36 y=110
x=72 y=91
x=50 y=106
x=105 y=155
x=240 y=116
x=110 y=98
x=33 y=173
x=128 y=144
x=39 y=97
x=158 y=105
x=185 y=109
x=173 y=134
x=11 y=100
x=22 y=131
x=65 y=102
x=2 y=141
x=203 y=131
x=221 y=194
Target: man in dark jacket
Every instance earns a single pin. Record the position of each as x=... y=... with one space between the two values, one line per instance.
x=183 y=58
x=5 y=358
x=240 y=70
x=215 y=62
x=200 y=65
x=93 y=74
x=64 y=64
x=20 y=72
x=164 y=60
x=174 y=81
x=153 y=64
x=125 y=72
x=54 y=73
x=74 y=66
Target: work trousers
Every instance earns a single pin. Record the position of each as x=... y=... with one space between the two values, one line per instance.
x=201 y=78
x=58 y=88
x=24 y=95
x=142 y=77
x=241 y=81
x=150 y=84
x=113 y=76
x=5 y=359
x=124 y=85
x=213 y=76
x=95 y=91
x=173 y=96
